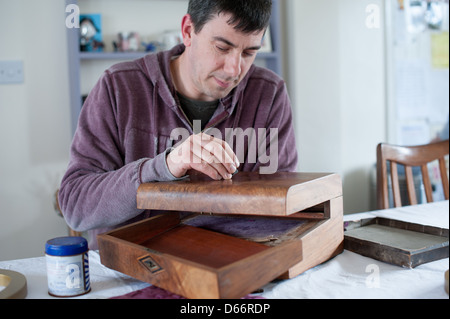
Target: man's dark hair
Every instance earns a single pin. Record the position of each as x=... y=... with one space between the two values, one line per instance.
x=248 y=16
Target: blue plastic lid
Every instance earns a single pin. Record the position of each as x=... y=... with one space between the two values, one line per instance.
x=66 y=246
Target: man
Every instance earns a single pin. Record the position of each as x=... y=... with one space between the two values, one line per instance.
x=131 y=127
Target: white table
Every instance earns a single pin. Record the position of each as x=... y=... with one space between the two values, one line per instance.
x=347 y=276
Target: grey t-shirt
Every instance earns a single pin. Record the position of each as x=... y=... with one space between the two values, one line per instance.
x=197 y=110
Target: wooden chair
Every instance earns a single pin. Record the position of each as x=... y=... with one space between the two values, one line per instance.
x=409 y=156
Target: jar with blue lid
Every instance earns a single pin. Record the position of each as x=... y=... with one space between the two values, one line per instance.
x=67 y=266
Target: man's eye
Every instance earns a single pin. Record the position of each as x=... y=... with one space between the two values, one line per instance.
x=221 y=49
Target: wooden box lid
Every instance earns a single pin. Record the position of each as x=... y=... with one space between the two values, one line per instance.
x=280 y=194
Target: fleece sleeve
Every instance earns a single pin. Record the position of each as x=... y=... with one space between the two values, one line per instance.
x=277 y=146
x=281 y=118
x=99 y=189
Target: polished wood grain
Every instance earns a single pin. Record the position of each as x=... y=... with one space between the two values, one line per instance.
x=322 y=242
x=280 y=194
x=409 y=156
x=193 y=262
x=201 y=246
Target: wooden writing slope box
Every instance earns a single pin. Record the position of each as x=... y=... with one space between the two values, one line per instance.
x=294 y=221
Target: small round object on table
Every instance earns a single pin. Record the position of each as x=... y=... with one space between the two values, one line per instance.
x=15 y=285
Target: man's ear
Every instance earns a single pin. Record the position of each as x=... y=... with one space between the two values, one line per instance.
x=187 y=30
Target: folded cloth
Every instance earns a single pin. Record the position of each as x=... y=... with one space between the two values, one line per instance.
x=256 y=229
x=154 y=292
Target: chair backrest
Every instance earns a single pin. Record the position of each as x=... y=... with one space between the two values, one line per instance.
x=409 y=156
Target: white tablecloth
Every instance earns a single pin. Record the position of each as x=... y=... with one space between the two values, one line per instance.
x=347 y=276
x=352 y=276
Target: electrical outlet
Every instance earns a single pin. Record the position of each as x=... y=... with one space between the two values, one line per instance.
x=11 y=72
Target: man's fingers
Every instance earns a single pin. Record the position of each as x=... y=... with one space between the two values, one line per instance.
x=215 y=171
x=206 y=154
x=219 y=149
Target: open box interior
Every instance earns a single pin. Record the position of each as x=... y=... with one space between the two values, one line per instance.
x=197 y=237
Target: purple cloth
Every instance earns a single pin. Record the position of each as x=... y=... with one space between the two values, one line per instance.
x=257 y=229
x=154 y=292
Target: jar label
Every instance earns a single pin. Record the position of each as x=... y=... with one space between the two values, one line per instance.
x=68 y=275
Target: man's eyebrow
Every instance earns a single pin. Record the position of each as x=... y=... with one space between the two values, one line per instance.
x=221 y=39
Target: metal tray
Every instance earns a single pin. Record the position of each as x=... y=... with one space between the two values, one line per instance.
x=396 y=242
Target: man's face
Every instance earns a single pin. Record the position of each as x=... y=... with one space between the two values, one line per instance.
x=219 y=57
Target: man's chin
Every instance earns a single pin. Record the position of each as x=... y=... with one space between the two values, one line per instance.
x=220 y=93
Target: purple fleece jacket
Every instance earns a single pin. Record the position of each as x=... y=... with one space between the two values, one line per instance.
x=124 y=135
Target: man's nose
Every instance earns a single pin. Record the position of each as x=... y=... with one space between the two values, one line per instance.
x=232 y=65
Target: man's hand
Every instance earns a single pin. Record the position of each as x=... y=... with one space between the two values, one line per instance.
x=203 y=153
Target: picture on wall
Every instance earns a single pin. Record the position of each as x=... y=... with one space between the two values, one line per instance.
x=91 y=33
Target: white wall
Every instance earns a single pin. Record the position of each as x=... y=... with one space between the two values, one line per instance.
x=34 y=125
x=337 y=86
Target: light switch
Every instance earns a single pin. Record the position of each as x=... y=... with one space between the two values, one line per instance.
x=11 y=72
